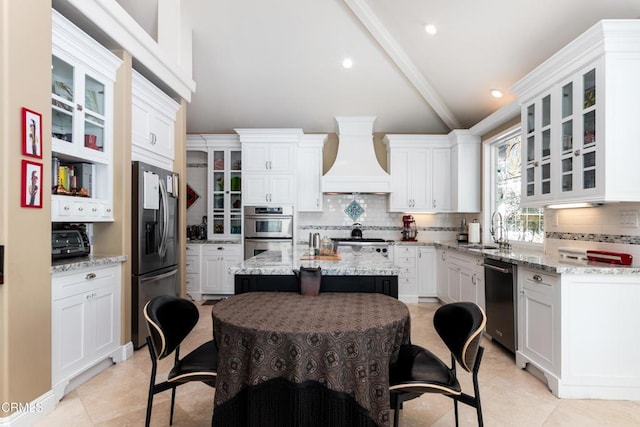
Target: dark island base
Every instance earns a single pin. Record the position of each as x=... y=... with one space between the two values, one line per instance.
x=387 y=285
x=280 y=403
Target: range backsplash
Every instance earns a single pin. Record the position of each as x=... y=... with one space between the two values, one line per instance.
x=375 y=219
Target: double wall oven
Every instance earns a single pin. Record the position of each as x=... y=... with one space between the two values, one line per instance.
x=267 y=228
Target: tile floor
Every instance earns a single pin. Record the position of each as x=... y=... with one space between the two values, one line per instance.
x=510 y=396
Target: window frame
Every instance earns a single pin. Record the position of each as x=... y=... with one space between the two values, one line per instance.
x=489 y=159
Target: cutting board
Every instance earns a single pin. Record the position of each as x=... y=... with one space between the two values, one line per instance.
x=332 y=257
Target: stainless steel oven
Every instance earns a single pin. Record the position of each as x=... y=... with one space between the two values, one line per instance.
x=267 y=228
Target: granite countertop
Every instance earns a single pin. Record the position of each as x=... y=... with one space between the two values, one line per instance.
x=363 y=262
x=72 y=264
x=537 y=260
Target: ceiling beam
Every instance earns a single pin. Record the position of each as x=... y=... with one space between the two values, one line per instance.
x=371 y=22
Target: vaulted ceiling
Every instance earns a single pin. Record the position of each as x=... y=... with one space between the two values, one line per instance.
x=278 y=63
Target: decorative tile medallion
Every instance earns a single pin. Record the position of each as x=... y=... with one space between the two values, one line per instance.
x=354 y=210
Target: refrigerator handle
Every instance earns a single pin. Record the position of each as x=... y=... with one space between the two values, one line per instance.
x=165 y=219
x=159 y=277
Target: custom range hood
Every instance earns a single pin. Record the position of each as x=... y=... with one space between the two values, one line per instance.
x=356 y=169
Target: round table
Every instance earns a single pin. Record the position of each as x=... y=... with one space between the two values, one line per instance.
x=342 y=342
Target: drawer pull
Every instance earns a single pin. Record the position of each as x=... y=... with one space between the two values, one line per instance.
x=90 y=276
x=537 y=278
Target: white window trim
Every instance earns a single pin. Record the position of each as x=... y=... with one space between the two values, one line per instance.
x=489 y=185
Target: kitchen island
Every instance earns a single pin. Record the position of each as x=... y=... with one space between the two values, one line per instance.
x=361 y=270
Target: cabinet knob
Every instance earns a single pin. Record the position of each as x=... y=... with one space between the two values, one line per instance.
x=108 y=209
x=535 y=164
x=80 y=209
x=576 y=153
x=66 y=207
x=94 y=209
x=522 y=292
x=79 y=107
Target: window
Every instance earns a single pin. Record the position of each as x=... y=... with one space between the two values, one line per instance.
x=519 y=224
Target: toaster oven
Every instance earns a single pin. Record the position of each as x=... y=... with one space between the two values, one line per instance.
x=69 y=244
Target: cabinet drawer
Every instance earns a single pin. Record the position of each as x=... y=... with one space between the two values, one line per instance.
x=192 y=264
x=72 y=283
x=220 y=250
x=405 y=251
x=538 y=281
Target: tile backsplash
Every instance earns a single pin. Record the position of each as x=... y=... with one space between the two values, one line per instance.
x=376 y=220
x=612 y=227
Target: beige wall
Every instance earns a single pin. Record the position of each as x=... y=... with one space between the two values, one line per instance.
x=180 y=166
x=25 y=296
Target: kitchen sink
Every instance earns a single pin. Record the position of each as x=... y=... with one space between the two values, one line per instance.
x=481 y=247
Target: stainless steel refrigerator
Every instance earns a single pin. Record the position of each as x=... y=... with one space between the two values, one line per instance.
x=154 y=267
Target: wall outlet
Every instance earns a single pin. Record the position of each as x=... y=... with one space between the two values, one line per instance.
x=629 y=219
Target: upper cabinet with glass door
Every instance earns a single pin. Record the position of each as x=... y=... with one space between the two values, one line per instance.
x=581 y=119
x=225 y=165
x=82 y=77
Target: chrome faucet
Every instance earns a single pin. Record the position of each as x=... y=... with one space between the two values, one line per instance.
x=503 y=240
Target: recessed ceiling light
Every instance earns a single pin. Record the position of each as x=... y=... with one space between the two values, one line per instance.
x=496 y=93
x=430 y=29
x=347 y=63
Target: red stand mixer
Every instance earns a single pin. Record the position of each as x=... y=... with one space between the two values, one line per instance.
x=409 y=228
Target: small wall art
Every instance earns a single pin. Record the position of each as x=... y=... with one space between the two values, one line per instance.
x=31 y=133
x=31 y=193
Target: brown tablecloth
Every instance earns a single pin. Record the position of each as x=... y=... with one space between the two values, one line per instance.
x=343 y=341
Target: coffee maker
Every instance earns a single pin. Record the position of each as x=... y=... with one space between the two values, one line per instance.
x=409 y=229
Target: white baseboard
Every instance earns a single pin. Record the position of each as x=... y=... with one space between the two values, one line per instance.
x=29 y=413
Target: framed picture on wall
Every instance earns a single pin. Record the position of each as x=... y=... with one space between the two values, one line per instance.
x=31 y=192
x=31 y=133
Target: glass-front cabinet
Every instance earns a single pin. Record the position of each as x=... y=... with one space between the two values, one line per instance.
x=82 y=77
x=580 y=120
x=538 y=135
x=225 y=197
x=223 y=184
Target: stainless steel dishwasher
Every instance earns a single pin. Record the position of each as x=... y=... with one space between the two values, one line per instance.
x=500 y=294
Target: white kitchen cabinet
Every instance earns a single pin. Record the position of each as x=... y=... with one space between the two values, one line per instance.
x=465 y=170
x=420 y=169
x=268 y=159
x=578 y=330
x=224 y=183
x=268 y=189
x=538 y=319
x=579 y=117
x=153 y=117
x=417 y=278
x=463 y=275
x=82 y=77
x=216 y=260
x=426 y=272
x=442 y=274
x=192 y=268
x=85 y=324
x=405 y=258
x=309 y=173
